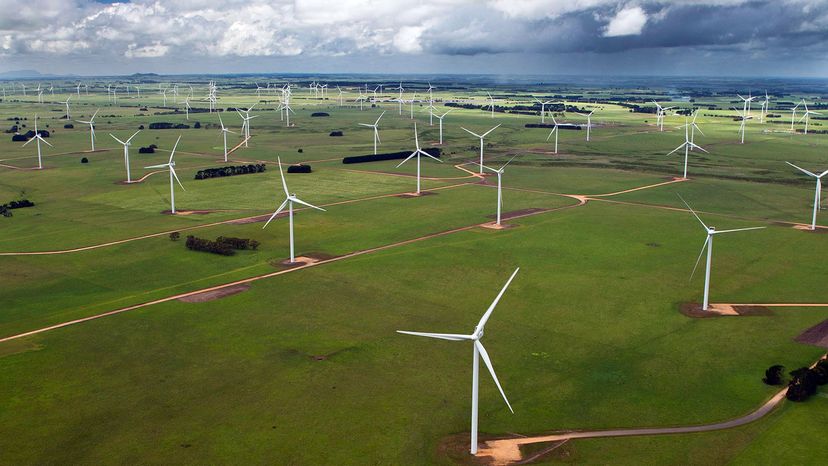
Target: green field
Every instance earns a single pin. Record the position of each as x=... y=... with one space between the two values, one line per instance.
x=305 y=366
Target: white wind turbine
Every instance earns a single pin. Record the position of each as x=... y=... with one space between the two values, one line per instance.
x=743 y=124
x=693 y=128
x=340 y=95
x=554 y=130
x=499 y=173
x=171 y=166
x=66 y=102
x=708 y=243
x=793 y=115
x=747 y=102
x=589 y=122
x=817 y=193
x=38 y=138
x=491 y=103
x=479 y=353
x=224 y=132
x=78 y=88
x=660 y=113
x=126 y=145
x=481 y=143
x=687 y=145
x=543 y=109
x=764 y=110
x=289 y=200
x=430 y=104
x=91 y=124
x=807 y=116
x=246 y=122
x=187 y=107
x=375 y=127
x=417 y=152
x=440 y=117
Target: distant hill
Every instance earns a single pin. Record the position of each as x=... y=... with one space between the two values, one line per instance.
x=28 y=74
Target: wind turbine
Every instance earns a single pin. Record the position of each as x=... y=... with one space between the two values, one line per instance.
x=171 y=166
x=340 y=95
x=687 y=145
x=289 y=200
x=66 y=102
x=126 y=145
x=491 y=103
x=479 y=353
x=807 y=116
x=38 y=138
x=554 y=130
x=91 y=124
x=481 y=143
x=764 y=110
x=589 y=121
x=430 y=104
x=793 y=115
x=708 y=243
x=224 y=132
x=399 y=99
x=660 y=113
x=246 y=122
x=499 y=173
x=440 y=117
x=417 y=152
x=187 y=107
x=817 y=193
x=543 y=109
x=693 y=128
x=78 y=88
x=375 y=126
x=743 y=124
x=747 y=102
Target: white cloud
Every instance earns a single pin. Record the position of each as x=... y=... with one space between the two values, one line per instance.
x=148 y=51
x=407 y=40
x=628 y=21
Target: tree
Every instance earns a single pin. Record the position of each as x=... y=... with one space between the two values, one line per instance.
x=84 y=160
x=174 y=236
x=773 y=375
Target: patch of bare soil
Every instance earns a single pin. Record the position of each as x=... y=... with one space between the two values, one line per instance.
x=695 y=311
x=192 y=212
x=214 y=294
x=456 y=447
x=421 y=194
x=517 y=213
x=816 y=335
x=304 y=259
x=495 y=226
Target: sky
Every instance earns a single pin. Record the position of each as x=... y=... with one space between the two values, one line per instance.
x=517 y=37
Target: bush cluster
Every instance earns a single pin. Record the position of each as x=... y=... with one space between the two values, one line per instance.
x=336 y=134
x=550 y=125
x=300 y=168
x=433 y=151
x=147 y=150
x=320 y=114
x=164 y=125
x=224 y=246
x=5 y=209
x=229 y=171
x=804 y=381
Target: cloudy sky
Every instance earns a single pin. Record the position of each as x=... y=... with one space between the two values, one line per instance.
x=683 y=37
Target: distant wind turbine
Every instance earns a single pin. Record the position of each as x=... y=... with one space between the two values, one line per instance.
x=440 y=117
x=375 y=127
x=224 y=132
x=481 y=136
x=686 y=145
x=817 y=192
x=171 y=166
x=126 y=145
x=499 y=172
x=589 y=121
x=417 y=152
x=37 y=138
x=91 y=124
x=289 y=200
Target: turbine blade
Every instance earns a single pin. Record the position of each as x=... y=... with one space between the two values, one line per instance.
x=130 y=138
x=282 y=174
x=429 y=155
x=489 y=131
x=485 y=356
x=677 y=148
x=699 y=147
x=441 y=336
x=407 y=159
x=277 y=212
x=491 y=308
x=510 y=161
x=299 y=201
x=706 y=240
x=113 y=137
x=172 y=154
x=47 y=142
x=473 y=134
x=692 y=211
x=159 y=166
x=739 y=229
x=802 y=170
x=175 y=175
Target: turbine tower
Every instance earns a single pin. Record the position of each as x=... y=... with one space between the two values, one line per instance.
x=417 y=152
x=91 y=124
x=126 y=145
x=481 y=136
x=817 y=193
x=171 y=166
x=37 y=138
x=499 y=173
x=375 y=127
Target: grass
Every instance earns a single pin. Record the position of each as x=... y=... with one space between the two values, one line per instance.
x=306 y=367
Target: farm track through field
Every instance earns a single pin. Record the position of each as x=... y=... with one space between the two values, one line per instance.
x=273 y=274
x=507 y=451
